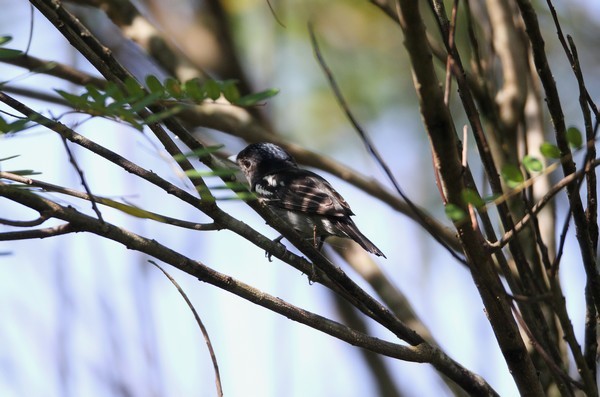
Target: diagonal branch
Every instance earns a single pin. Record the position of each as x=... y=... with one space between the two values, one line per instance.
x=442 y=135
x=81 y=222
x=138 y=212
x=568 y=166
x=419 y=213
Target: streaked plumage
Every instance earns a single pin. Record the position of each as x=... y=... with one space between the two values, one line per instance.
x=306 y=200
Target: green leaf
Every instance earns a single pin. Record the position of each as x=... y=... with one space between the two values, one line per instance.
x=174 y=88
x=145 y=101
x=491 y=198
x=18 y=125
x=156 y=117
x=130 y=209
x=25 y=172
x=532 y=164
x=574 y=137
x=194 y=90
x=133 y=88
x=233 y=185
x=97 y=96
x=470 y=196
x=113 y=91
x=74 y=100
x=3 y=125
x=512 y=175
x=230 y=91
x=198 y=152
x=10 y=157
x=549 y=150
x=212 y=89
x=154 y=85
x=454 y=212
x=253 y=99
x=9 y=53
x=5 y=39
x=218 y=172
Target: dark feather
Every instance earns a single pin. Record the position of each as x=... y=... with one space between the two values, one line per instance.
x=348 y=227
x=300 y=190
x=304 y=199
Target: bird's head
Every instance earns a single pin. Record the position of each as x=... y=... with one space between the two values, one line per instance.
x=260 y=159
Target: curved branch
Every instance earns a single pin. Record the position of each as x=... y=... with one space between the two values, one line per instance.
x=422 y=352
x=80 y=222
x=211 y=350
x=34 y=222
x=134 y=211
x=38 y=233
x=238 y=122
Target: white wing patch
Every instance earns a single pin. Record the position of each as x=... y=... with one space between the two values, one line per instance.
x=271 y=180
x=262 y=191
x=266 y=187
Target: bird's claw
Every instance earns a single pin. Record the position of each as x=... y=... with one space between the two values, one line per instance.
x=269 y=255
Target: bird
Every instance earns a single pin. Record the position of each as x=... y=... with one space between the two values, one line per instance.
x=301 y=197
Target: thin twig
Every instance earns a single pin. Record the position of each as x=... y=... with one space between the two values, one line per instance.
x=558 y=121
x=65 y=228
x=449 y=60
x=545 y=355
x=82 y=179
x=274 y=14
x=370 y=145
x=234 y=121
x=30 y=38
x=34 y=222
x=213 y=356
x=126 y=208
x=538 y=207
x=55 y=69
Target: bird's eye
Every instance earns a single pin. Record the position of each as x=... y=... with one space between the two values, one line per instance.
x=246 y=163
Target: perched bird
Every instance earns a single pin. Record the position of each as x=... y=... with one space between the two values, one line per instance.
x=301 y=197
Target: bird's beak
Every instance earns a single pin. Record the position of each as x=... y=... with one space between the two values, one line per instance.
x=232 y=158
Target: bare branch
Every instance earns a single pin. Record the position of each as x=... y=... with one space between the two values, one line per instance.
x=420 y=214
x=440 y=129
x=82 y=222
x=140 y=213
x=65 y=228
x=556 y=113
x=203 y=329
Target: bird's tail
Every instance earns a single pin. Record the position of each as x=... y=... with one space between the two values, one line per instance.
x=349 y=229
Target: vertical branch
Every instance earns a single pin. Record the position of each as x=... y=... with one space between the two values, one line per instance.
x=513 y=57
x=568 y=166
x=449 y=61
x=442 y=135
x=591 y=212
x=524 y=282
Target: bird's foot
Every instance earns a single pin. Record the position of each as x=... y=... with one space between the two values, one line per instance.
x=268 y=254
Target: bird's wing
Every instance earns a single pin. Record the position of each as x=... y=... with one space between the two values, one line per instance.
x=303 y=191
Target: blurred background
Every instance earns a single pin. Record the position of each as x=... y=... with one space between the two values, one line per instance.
x=82 y=316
